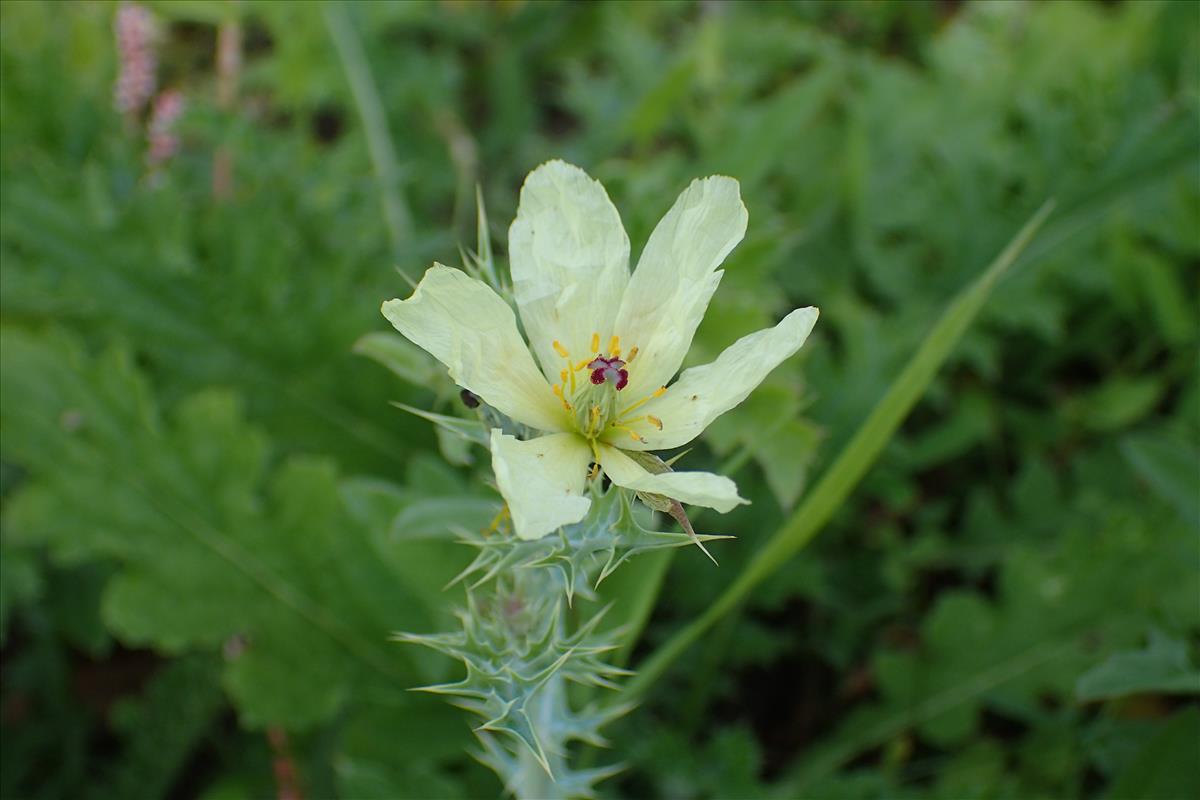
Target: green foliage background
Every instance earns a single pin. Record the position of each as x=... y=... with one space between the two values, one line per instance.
x=213 y=519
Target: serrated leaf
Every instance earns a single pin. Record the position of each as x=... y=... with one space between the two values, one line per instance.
x=213 y=547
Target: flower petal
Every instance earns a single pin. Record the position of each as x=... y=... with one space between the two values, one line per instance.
x=465 y=325
x=706 y=392
x=676 y=277
x=570 y=262
x=694 y=488
x=542 y=480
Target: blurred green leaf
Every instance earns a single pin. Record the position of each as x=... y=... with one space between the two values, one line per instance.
x=163 y=726
x=1166 y=766
x=1170 y=465
x=1163 y=667
x=214 y=553
x=20 y=583
x=406 y=361
x=402 y=514
x=1117 y=403
x=1033 y=641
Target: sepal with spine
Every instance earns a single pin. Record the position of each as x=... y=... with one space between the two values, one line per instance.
x=519 y=656
x=519 y=652
x=606 y=538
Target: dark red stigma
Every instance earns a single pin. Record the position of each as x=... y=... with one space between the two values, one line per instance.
x=609 y=370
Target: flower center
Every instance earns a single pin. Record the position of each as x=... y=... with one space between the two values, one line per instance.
x=609 y=370
x=596 y=403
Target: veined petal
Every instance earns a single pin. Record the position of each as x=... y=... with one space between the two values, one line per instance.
x=542 y=480
x=570 y=262
x=694 y=488
x=676 y=277
x=706 y=392
x=465 y=325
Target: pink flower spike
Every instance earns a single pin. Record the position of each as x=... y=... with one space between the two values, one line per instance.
x=135 y=32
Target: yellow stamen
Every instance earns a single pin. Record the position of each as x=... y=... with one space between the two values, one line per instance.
x=624 y=423
x=558 y=392
x=495 y=524
x=633 y=351
x=595 y=455
x=595 y=343
x=614 y=346
x=562 y=376
x=582 y=364
x=659 y=392
x=632 y=433
x=558 y=348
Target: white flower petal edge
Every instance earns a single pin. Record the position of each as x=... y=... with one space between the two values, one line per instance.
x=570 y=261
x=706 y=392
x=466 y=326
x=542 y=480
x=694 y=488
x=676 y=277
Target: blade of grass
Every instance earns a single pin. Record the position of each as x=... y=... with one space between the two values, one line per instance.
x=379 y=139
x=850 y=465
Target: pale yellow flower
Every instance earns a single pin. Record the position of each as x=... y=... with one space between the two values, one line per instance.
x=608 y=343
